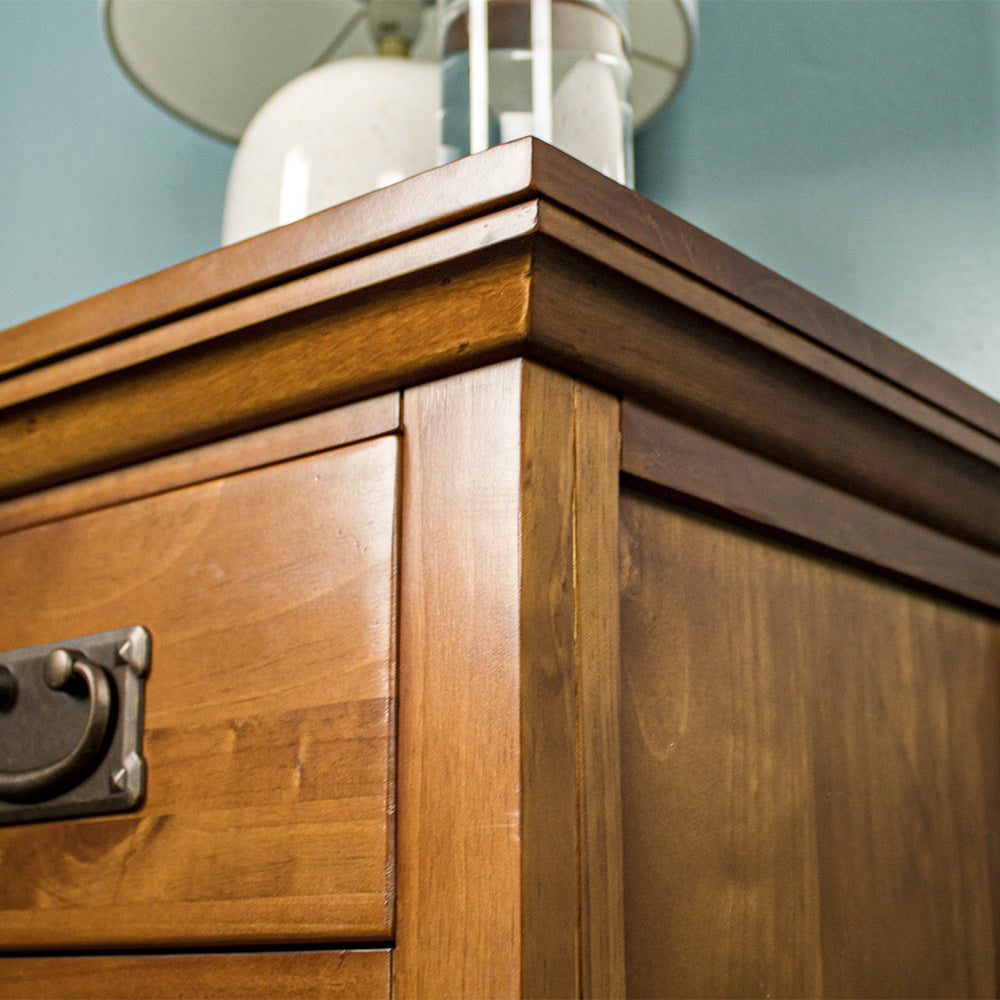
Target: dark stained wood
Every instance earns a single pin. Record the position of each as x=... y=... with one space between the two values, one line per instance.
x=449 y=195
x=597 y=454
x=640 y=752
x=294 y=302
x=518 y=172
x=843 y=371
x=532 y=280
x=269 y=718
x=551 y=963
x=664 y=453
x=302 y=975
x=713 y=376
x=571 y=185
x=811 y=773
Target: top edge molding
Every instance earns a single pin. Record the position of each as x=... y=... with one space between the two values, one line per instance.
x=455 y=193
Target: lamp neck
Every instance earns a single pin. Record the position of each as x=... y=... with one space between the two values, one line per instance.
x=394 y=25
x=393 y=45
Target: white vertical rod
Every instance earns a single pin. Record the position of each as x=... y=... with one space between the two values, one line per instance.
x=541 y=68
x=479 y=77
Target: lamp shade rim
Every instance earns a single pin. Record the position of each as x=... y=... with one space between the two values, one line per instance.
x=213 y=65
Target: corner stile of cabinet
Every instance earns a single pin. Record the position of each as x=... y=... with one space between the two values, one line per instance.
x=509 y=837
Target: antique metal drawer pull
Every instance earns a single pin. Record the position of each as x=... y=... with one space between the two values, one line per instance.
x=62 y=667
x=71 y=726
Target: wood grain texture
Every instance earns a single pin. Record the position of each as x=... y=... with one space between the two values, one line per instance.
x=812 y=778
x=571 y=185
x=518 y=172
x=844 y=371
x=542 y=279
x=597 y=456
x=344 y=425
x=460 y=825
x=304 y=975
x=282 y=304
x=718 y=378
x=272 y=370
x=504 y=846
x=389 y=216
x=269 y=723
x=551 y=963
x=664 y=454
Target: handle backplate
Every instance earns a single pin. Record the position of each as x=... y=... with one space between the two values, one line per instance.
x=71 y=726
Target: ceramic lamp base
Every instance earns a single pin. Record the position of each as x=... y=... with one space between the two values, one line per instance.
x=336 y=132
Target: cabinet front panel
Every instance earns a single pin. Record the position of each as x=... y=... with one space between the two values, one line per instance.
x=269 y=727
x=307 y=975
x=811 y=775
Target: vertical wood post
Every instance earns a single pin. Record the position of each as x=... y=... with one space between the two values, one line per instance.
x=508 y=856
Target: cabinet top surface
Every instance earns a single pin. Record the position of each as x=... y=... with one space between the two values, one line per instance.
x=477 y=187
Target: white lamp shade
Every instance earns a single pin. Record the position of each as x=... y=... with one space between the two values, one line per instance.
x=213 y=63
x=664 y=34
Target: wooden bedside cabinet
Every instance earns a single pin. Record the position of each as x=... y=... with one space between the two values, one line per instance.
x=268 y=585
x=544 y=600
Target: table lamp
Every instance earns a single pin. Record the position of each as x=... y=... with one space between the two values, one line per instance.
x=330 y=99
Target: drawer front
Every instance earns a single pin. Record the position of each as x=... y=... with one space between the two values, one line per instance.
x=306 y=975
x=269 y=717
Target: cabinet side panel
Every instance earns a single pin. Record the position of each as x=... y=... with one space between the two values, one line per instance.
x=572 y=913
x=597 y=448
x=550 y=910
x=811 y=773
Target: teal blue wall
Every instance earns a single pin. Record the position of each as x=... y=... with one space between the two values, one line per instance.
x=852 y=145
x=855 y=148
x=97 y=184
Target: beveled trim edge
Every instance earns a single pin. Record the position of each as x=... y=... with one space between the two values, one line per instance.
x=337 y=428
x=690 y=464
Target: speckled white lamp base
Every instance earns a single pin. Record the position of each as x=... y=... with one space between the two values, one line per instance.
x=336 y=132
x=592 y=121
